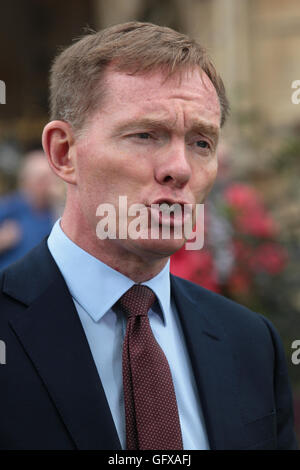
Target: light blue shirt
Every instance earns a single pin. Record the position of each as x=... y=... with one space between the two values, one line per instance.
x=95 y=288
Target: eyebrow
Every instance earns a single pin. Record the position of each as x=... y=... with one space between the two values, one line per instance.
x=156 y=123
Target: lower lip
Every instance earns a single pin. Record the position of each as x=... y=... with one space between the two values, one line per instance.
x=172 y=219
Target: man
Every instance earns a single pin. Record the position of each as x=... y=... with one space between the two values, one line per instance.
x=27 y=215
x=136 y=111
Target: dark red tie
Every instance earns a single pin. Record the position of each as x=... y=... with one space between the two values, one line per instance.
x=152 y=420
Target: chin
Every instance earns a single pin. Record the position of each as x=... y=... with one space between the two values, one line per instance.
x=158 y=248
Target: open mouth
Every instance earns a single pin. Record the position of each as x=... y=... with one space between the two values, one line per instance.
x=172 y=213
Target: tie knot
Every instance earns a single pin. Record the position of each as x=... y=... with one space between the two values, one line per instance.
x=137 y=300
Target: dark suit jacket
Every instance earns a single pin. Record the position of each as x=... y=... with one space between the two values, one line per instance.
x=51 y=396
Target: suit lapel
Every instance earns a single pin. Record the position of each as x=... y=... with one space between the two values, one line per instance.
x=52 y=336
x=213 y=364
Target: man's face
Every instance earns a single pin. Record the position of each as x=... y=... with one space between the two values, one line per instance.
x=152 y=140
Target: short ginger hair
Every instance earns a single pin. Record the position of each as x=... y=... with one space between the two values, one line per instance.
x=76 y=89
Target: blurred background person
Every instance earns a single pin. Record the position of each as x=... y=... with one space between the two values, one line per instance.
x=28 y=214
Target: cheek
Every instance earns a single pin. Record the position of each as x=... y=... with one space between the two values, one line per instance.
x=93 y=171
x=106 y=175
x=212 y=172
x=204 y=178
x=103 y=178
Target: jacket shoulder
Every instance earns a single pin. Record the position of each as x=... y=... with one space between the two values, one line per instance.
x=28 y=277
x=235 y=319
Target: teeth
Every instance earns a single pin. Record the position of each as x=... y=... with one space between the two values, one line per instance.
x=167 y=204
x=166 y=208
x=164 y=205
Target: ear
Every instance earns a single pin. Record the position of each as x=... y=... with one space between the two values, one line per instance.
x=58 y=144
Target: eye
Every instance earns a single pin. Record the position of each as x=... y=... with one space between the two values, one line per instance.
x=143 y=135
x=202 y=144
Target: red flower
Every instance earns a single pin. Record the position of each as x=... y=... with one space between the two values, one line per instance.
x=270 y=257
x=195 y=266
x=256 y=223
x=253 y=242
x=242 y=197
x=250 y=216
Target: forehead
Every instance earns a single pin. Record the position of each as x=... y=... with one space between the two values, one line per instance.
x=190 y=92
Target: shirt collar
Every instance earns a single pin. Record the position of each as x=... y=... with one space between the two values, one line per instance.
x=89 y=279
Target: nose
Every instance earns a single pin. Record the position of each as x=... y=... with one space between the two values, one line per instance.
x=173 y=168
